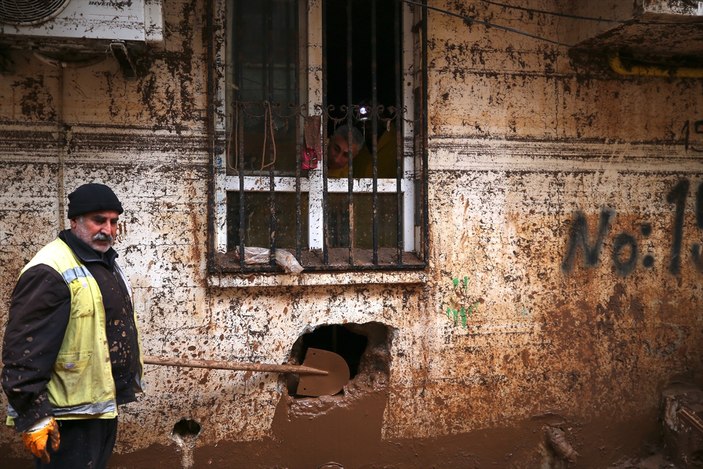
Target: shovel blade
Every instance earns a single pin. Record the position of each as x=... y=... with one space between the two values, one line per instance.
x=323 y=385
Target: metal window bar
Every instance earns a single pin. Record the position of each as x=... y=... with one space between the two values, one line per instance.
x=269 y=97
x=325 y=201
x=294 y=11
x=298 y=199
x=424 y=136
x=350 y=145
x=273 y=216
x=397 y=36
x=239 y=130
x=242 y=202
x=374 y=133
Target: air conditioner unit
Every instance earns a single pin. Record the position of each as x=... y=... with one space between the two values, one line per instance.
x=70 y=28
x=54 y=21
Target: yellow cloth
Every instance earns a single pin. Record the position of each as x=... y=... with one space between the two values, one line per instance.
x=338 y=172
x=386 y=162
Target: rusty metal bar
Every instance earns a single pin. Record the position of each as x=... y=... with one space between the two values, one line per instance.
x=291 y=20
x=239 y=129
x=273 y=220
x=268 y=124
x=325 y=121
x=350 y=140
x=299 y=144
x=242 y=201
x=330 y=268
x=400 y=143
x=425 y=144
x=235 y=366
x=214 y=142
x=374 y=130
x=266 y=37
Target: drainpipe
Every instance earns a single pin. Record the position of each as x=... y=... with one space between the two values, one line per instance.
x=617 y=66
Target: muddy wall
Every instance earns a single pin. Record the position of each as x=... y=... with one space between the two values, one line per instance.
x=566 y=201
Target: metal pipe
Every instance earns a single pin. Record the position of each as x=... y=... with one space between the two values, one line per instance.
x=652 y=70
x=235 y=366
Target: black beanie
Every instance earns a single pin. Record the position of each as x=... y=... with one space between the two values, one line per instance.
x=92 y=198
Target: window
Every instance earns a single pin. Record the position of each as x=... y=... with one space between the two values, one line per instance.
x=302 y=79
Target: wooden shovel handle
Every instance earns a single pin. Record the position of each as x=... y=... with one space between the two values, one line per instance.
x=237 y=366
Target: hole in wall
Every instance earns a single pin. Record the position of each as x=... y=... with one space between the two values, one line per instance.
x=186 y=428
x=365 y=348
x=184 y=434
x=340 y=340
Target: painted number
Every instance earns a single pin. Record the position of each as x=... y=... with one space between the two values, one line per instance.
x=695 y=128
x=625 y=254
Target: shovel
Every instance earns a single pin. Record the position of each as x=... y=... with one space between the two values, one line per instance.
x=323 y=373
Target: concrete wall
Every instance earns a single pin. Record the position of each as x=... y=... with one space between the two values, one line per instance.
x=530 y=159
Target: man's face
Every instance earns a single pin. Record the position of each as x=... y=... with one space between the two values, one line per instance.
x=96 y=229
x=338 y=152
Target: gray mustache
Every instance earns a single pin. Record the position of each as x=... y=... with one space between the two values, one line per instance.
x=102 y=237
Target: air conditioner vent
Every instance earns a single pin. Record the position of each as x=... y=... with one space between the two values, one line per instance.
x=25 y=12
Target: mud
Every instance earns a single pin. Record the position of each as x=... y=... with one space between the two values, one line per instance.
x=527 y=144
x=327 y=433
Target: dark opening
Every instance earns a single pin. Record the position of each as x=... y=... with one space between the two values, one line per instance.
x=186 y=427
x=364 y=38
x=340 y=340
x=365 y=348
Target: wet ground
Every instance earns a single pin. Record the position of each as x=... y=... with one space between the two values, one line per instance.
x=655 y=461
x=326 y=433
x=323 y=434
x=417 y=455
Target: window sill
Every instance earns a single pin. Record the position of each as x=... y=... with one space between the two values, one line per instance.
x=231 y=280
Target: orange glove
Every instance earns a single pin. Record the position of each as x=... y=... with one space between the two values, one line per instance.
x=37 y=437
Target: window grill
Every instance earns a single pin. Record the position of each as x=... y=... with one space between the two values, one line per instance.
x=302 y=82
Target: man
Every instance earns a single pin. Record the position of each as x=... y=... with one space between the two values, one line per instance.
x=338 y=150
x=71 y=349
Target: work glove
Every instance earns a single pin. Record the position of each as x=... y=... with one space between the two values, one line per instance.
x=37 y=437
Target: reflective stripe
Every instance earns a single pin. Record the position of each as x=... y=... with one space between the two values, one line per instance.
x=87 y=409
x=74 y=273
x=98 y=408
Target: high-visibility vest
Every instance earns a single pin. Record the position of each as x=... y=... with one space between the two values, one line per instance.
x=81 y=381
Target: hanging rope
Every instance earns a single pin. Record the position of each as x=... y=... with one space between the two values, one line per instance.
x=268 y=129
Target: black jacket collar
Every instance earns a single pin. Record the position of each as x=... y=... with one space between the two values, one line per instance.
x=84 y=252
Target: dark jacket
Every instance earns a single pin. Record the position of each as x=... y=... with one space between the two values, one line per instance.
x=39 y=312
